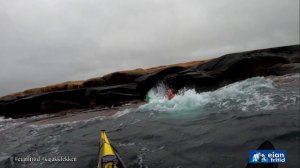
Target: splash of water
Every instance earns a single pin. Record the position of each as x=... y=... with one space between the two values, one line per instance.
x=248 y=95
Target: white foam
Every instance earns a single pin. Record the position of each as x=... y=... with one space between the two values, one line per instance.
x=9 y=123
x=66 y=125
x=248 y=95
x=72 y=124
x=2 y=119
x=127 y=144
x=121 y=113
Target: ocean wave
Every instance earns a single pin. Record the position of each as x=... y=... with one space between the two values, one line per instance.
x=253 y=94
x=65 y=126
x=2 y=119
x=9 y=123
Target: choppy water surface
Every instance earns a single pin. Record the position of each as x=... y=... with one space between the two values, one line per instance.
x=209 y=129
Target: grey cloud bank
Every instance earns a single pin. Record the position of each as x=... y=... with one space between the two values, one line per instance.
x=48 y=41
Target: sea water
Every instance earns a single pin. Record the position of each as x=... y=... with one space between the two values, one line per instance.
x=208 y=129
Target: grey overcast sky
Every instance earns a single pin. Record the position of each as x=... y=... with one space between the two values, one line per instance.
x=48 y=41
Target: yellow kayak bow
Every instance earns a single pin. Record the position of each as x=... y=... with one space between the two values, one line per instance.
x=108 y=156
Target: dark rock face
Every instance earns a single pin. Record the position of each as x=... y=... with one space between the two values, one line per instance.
x=116 y=78
x=234 y=67
x=72 y=99
x=38 y=104
x=282 y=69
x=49 y=106
x=230 y=68
x=146 y=82
x=110 y=95
x=121 y=87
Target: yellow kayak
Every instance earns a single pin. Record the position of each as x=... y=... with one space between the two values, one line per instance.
x=108 y=156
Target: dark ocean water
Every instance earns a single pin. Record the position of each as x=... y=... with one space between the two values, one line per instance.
x=210 y=129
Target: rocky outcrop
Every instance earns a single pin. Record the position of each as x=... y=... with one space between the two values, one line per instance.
x=69 y=85
x=282 y=69
x=115 y=78
x=123 y=77
x=238 y=66
x=119 y=87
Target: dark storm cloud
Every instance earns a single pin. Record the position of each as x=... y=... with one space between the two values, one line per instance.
x=48 y=41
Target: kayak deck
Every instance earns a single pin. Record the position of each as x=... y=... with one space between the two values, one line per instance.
x=108 y=156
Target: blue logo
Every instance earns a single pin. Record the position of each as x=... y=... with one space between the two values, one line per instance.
x=267 y=156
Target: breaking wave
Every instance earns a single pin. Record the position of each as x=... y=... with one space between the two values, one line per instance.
x=8 y=123
x=253 y=94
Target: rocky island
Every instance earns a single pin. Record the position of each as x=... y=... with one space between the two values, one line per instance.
x=124 y=86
